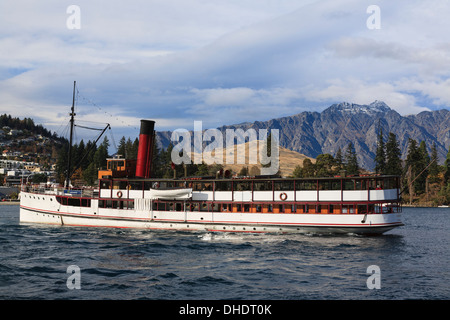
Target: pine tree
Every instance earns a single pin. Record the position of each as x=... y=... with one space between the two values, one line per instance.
x=412 y=166
x=351 y=162
x=447 y=168
x=393 y=156
x=122 y=147
x=338 y=161
x=308 y=169
x=422 y=170
x=380 y=155
x=433 y=170
x=324 y=165
x=298 y=172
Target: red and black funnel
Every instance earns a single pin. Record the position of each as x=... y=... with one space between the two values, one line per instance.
x=145 y=151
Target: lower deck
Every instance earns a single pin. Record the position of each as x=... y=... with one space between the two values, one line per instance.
x=211 y=216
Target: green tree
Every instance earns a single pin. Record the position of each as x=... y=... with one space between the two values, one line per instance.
x=243 y=172
x=433 y=170
x=324 y=165
x=422 y=170
x=202 y=170
x=298 y=172
x=121 y=149
x=380 y=154
x=339 y=161
x=393 y=156
x=414 y=165
x=308 y=169
x=447 y=168
x=351 y=161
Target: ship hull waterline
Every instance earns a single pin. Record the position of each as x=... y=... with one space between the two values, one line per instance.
x=371 y=224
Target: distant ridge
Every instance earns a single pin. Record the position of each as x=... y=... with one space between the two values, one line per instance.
x=314 y=133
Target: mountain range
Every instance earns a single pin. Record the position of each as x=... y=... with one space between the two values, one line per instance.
x=314 y=133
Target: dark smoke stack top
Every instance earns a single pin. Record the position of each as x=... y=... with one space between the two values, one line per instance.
x=145 y=151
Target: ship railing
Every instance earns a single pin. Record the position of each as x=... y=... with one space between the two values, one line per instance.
x=59 y=191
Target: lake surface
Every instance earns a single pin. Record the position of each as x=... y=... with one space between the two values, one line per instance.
x=121 y=264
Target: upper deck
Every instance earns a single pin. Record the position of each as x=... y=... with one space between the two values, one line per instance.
x=259 y=189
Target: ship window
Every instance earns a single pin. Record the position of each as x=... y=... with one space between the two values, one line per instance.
x=196 y=186
x=242 y=185
x=262 y=186
x=136 y=185
x=349 y=184
x=73 y=202
x=336 y=185
x=163 y=185
x=193 y=206
x=223 y=185
x=324 y=185
x=106 y=184
x=306 y=185
x=390 y=183
x=360 y=185
x=161 y=206
x=284 y=185
x=329 y=185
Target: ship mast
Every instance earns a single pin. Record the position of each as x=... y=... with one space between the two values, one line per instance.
x=72 y=115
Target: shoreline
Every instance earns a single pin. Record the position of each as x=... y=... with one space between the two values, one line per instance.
x=15 y=202
x=420 y=206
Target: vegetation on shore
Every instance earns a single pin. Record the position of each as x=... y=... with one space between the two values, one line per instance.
x=424 y=181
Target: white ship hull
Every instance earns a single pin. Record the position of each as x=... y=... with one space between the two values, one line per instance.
x=44 y=208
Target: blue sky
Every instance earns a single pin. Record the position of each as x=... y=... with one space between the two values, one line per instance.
x=221 y=62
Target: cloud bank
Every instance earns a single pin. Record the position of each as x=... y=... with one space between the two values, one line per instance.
x=221 y=62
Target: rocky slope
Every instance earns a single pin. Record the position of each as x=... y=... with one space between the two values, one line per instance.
x=314 y=133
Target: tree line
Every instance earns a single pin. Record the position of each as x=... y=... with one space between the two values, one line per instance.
x=87 y=159
x=25 y=124
x=420 y=171
x=343 y=163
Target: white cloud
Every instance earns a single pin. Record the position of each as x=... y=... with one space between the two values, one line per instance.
x=359 y=92
x=221 y=61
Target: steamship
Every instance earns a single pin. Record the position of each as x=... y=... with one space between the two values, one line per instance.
x=127 y=197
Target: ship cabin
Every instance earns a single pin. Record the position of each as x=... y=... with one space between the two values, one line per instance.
x=337 y=195
x=118 y=167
